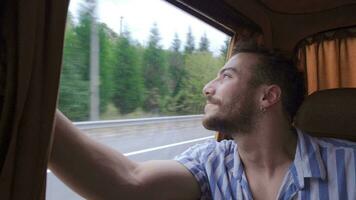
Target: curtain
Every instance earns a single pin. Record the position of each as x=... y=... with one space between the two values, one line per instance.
x=31 y=43
x=329 y=60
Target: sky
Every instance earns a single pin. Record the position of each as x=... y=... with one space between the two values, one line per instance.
x=138 y=16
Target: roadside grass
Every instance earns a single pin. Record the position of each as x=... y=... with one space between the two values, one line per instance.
x=113 y=113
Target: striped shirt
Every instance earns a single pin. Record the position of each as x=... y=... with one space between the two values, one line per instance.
x=323 y=168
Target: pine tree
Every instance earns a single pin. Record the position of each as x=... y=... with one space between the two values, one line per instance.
x=176 y=43
x=203 y=67
x=74 y=87
x=176 y=66
x=190 y=44
x=154 y=38
x=224 y=48
x=154 y=71
x=204 y=43
x=83 y=33
x=107 y=38
x=128 y=83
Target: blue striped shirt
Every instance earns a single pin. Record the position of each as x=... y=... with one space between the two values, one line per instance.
x=323 y=168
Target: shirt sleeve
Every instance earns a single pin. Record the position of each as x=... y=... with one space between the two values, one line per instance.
x=194 y=160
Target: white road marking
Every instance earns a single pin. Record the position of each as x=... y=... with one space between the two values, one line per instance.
x=162 y=147
x=167 y=146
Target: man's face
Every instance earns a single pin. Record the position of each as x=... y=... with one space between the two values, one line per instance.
x=231 y=101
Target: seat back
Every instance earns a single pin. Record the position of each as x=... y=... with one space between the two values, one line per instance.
x=329 y=113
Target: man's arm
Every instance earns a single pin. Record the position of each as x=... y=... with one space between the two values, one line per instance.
x=98 y=172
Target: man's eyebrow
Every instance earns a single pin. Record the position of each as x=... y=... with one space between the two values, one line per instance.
x=227 y=69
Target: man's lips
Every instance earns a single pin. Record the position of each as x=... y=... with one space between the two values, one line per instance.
x=211 y=104
x=213 y=101
x=210 y=107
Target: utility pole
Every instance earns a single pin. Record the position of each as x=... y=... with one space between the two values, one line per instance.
x=94 y=66
x=121 y=20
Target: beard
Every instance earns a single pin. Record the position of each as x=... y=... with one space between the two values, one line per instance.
x=238 y=115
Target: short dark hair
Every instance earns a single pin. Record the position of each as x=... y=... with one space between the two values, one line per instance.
x=276 y=68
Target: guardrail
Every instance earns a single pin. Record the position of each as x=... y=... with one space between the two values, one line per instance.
x=112 y=128
x=134 y=122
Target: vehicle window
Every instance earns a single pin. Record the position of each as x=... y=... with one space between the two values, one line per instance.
x=132 y=77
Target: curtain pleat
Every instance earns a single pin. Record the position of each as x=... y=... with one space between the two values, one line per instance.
x=330 y=63
x=31 y=38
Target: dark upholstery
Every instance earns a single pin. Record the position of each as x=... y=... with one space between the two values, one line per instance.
x=329 y=113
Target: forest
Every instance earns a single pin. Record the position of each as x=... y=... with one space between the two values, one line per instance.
x=135 y=80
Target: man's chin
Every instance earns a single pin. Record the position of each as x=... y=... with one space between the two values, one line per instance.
x=211 y=122
x=219 y=124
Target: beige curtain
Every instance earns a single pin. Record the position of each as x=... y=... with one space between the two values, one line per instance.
x=31 y=42
x=329 y=60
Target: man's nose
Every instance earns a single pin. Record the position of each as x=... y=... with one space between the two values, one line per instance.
x=209 y=89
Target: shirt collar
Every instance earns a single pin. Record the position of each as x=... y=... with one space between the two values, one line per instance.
x=307 y=162
x=237 y=169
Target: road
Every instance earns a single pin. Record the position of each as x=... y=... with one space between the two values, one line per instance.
x=152 y=142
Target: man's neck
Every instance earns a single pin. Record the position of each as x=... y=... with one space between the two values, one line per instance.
x=268 y=148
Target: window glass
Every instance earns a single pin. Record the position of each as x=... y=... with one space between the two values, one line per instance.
x=132 y=77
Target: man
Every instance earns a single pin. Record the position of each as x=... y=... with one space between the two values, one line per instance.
x=253 y=99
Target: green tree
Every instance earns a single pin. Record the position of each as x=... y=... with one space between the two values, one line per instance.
x=83 y=31
x=201 y=67
x=73 y=93
x=107 y=38
x=204 y=43
x=175 y=65
x=224 y=48
x=155 y=72
x=128 y=83
x=190 y=44
x=78 y=66
x=176 y=43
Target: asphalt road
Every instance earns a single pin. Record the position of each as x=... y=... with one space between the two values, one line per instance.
x=154 y=142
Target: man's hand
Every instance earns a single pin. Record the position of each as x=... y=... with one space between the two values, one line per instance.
x=98 y=172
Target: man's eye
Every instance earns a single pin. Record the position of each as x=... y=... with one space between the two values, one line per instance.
x=226 y=76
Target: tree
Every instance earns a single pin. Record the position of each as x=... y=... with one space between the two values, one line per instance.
x=175 y=66
x=107 y=38
x=204 y=43
x=83 y=30
x=176 y=43
x=190 y=44
x=128 y=83
x=74 y=95
x=224 y=48
x=74 y=88
x=154 y=71
x=94 y=64
x=201 y=67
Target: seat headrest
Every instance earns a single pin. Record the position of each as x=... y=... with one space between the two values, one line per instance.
x=329 y=113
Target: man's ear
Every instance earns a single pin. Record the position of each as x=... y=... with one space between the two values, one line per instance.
x=271 y=95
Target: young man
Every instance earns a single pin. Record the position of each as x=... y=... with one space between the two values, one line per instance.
x=253 y=99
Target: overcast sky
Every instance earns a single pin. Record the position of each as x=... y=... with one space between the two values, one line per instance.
x=139 y=16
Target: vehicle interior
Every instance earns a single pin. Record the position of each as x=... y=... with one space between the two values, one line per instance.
x=320 y=35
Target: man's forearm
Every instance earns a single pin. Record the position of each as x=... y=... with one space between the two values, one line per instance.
x=91 y=169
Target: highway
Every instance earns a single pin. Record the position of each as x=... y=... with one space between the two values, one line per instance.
x=154 y=141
